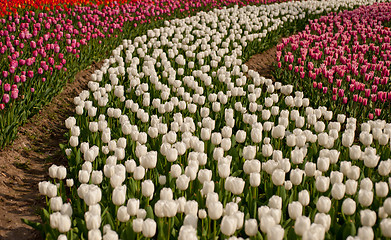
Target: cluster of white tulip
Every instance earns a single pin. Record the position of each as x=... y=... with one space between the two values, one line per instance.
x=174 y=121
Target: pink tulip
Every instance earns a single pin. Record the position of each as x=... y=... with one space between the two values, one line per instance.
x=341 y=92
x=7 y=87
x=6 y=98
x=364 y=101
x=30 y=74
x=373 y=97
x=14 y=94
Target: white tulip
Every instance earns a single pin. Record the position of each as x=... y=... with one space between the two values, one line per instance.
x=149 y=228
x=295 y=210
x=182 y=182
x=302 y=224
x=324 y=204
x=368 y=217
x=147 y=188
x=365 y=197
x=323 y=219
x=278 y=177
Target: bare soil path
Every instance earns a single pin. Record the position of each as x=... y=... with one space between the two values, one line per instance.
x=263 y=62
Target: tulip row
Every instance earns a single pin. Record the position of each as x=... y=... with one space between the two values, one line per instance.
x=177 y=138
x=18 y=6
x=40 y=50
x=344 y=59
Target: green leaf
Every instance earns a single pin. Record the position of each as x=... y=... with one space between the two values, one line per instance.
x=35 y=225
x=161 y=228
x=150 y=212
x=348 y=229
x=45 y=216
x=291 y=234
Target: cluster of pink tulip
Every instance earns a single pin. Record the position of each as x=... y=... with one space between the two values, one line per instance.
x=34 y=45
x=345 y=56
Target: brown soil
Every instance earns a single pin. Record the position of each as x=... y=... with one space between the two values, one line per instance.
x=24 y=164
x=263 y=62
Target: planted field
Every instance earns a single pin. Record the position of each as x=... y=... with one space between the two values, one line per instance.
x=176 y=138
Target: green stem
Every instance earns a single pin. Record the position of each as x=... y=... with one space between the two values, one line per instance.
x=169 y=228
x=214 y=229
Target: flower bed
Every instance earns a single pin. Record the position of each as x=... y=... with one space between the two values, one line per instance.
x=41 y=50
x=343 y=60
x=176 y=138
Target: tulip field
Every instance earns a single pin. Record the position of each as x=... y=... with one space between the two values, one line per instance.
x=176 y=138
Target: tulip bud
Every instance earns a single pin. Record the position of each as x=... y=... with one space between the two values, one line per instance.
x=95 y=234
x=355 y=152
x=147 y=188
x=119 y=195
x=323 y=219
x=365 y=197
x=175 y=171
x=275 y=202
x=295 y=210
x=191 y=208
x=139 y=173
x=338 y=191
x=381 y=189
x=276 y=232
x=204 y=175
x=249 y=152
x=302 y=224
x=296 y=176
x=322 y=183
x=182 y=182
x=69 y=183
x=336 y=177
x=96 y=177
x=215 y=210
x=187 y=232
x=133 y=206
x=324 y=204
x=240 y=136
x=278 y=132
x=278 y=177
x=228 y=225
x=149 y=228
x=310 y=169
x=368 y=217
x=256 y=135
x=55 y=203
x=122 y=214
x=255 y=179
x=137 y=225
x=385 y=226
x=84 y=176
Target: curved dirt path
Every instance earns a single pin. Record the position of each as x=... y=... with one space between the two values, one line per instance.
x=24 y=164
